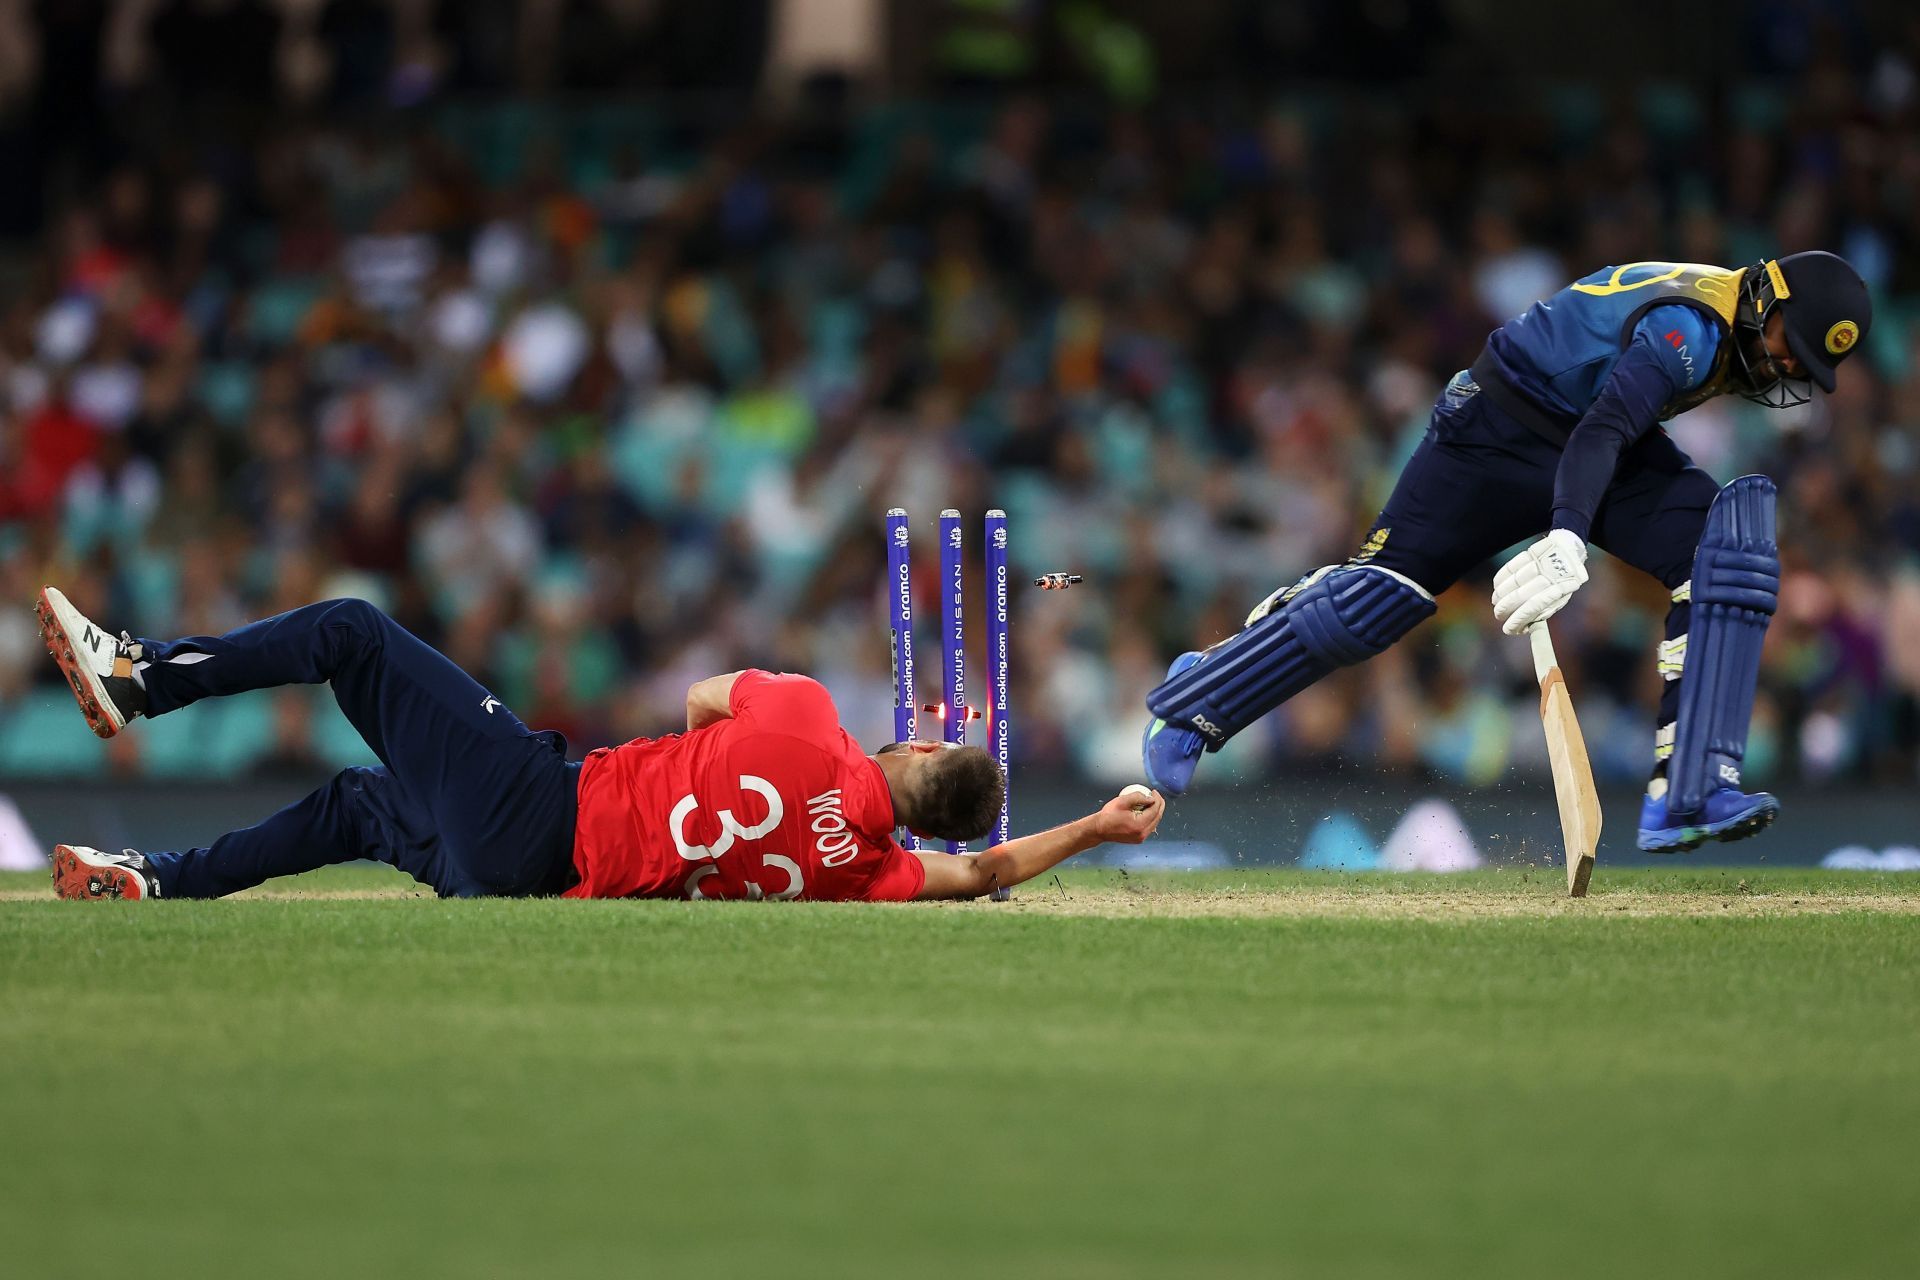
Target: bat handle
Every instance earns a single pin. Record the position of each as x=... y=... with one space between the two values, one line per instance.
x=1543 y=655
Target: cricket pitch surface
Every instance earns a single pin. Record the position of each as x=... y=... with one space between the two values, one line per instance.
x=1709 y=1072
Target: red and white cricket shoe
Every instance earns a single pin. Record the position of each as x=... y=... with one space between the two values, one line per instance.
x=88 y=874
x=99 y=666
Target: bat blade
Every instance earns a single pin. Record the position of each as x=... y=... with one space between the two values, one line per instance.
x=1572 y=773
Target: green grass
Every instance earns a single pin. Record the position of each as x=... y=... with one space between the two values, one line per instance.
x=398 y=1086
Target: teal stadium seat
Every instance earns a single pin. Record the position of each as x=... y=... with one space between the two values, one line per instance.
x=218 y=739
x=1670 y=111
x=1578 y=112
x=1889 y=342
x=227 y=391
x=174 y=745
x=43 y=736
x=152 y=581
x=336 y=740
x=278 y=306
x=597 y=134
x=646 y=456
x=498 y=138
x=1759 y=107
x=240 y=735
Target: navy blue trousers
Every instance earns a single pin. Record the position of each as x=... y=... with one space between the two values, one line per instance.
x=1481 y=482
x=467 y=799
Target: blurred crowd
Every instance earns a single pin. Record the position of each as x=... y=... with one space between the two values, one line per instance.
x=603 y=396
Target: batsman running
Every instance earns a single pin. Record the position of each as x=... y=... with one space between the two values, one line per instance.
x=1555 y=427
x=764 y=795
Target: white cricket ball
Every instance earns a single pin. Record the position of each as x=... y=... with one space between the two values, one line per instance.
x=1134 y=788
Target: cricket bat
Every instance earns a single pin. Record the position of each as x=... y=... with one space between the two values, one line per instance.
x=1572 y=775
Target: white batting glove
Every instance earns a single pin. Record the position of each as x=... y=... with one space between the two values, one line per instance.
x=1537 y=583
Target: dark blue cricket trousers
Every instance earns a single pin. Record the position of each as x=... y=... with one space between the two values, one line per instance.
x=1481 y=481
x=467 y=799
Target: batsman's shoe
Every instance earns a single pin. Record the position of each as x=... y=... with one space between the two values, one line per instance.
x=83 y=873
x=99 y=666
x=1170 y=752
x=1728 y=814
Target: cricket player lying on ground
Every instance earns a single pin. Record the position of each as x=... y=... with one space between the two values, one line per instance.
x=1556 y=427
x=764 y=795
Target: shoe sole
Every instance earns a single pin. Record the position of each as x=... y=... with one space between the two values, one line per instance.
x=1751 y=824
x=87 y=690
x=78 y=878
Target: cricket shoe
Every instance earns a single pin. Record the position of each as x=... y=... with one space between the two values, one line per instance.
x=1728 y=814
x=1170 y=752
x=99 y=666
x=87 y=874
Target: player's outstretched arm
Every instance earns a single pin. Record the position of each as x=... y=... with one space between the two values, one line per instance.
x=710 y=700
x=1128 y=818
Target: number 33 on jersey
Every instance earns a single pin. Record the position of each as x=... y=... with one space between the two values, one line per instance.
x=833 y=844
x=774 y=802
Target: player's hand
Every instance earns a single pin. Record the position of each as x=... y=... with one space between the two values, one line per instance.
x=1537 y=583
x=1131 y=816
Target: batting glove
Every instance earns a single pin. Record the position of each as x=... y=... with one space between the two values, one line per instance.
x=1537 y=583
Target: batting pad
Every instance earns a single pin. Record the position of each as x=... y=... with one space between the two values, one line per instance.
x=1338 y=617
x=1736 y=586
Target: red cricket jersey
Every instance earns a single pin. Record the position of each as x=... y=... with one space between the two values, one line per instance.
x=777 y=802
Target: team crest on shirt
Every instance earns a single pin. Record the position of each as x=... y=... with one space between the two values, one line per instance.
x=1841 y=337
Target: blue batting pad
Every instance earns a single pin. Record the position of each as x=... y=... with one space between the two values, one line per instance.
x=1736 y=585
x=1335 y=618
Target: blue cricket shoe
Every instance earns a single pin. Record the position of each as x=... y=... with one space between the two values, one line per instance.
x=1728 y=814
x=1170 y=752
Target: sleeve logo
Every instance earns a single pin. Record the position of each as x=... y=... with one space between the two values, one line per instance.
x=1678 y=342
